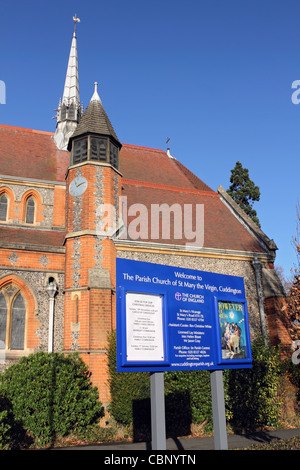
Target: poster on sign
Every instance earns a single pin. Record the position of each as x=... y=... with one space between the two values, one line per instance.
x=233 y=341
x=144 y=332
x=171 y=318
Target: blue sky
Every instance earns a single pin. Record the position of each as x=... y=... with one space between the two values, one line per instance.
x=213 y=75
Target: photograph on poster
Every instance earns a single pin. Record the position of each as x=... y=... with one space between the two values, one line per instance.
x=232 y=330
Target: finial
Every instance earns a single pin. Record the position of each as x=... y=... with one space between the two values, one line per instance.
x=95 y=96
x=168 y=148
x=76 y=20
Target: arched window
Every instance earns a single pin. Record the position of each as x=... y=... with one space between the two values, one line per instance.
x=3 y=319
x=30 y=209
x=18 y=322
x=3 y=207
x=12 y=318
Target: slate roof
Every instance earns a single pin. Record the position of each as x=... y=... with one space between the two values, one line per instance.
x=150 y=176
x=154 y=166
x=24 y=236
x=95 y=120
x=26 y=153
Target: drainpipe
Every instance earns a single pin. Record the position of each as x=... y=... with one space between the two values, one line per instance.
x=51 y=289
x=257 y=266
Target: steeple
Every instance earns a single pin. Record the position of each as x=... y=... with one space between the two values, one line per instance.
x=69 y=109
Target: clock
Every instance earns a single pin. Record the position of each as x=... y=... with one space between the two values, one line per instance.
x=78 y=186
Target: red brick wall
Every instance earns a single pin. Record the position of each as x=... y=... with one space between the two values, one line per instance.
x=96 y=306
x=278 y=323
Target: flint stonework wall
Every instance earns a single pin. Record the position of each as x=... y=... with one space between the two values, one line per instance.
x=37 y=282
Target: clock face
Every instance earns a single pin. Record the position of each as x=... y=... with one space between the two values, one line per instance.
x=78 y=186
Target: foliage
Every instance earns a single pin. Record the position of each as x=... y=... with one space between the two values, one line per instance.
x=293 y=372
x=187 y=395
x=51 y=394
x=252 y=394
x=278 y=444
x=293 y=301
x=125 y=387
x=243 y=191
x=196 y=386
x=5 y=422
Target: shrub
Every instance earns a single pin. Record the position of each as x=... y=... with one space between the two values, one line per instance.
x=5 y=422
x=51 y=394
x=125 y=387
x=187 y=395
x=293 y=374
x=252 y=394
x=196 y=386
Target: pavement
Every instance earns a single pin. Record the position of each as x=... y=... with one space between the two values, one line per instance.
x=235 y=441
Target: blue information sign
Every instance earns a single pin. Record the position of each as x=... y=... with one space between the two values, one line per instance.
x=171 y=318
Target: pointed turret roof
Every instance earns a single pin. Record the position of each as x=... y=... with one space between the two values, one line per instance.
x=71 y=88
x=95 y=119
x=69 y=109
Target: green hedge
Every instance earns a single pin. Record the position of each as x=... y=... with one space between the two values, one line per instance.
x=50 y=395
x=125 y=387
x=6 y=422
x=252 y=398
x=251 y=395
x=187 y=396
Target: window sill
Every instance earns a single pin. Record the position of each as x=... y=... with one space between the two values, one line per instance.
x=8 y=354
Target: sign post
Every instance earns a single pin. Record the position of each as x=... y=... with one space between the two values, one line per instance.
x=171 y=318
x=158 y=425
x=218 y=407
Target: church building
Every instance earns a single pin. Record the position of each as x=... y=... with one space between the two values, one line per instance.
x=73 y=201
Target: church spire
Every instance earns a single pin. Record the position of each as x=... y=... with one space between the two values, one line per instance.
x=69 y=109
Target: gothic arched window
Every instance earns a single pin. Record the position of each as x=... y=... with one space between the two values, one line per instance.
x=30 y=209
x=12 y=318
x=3 y=207
x=18 y=313
x=3 y=319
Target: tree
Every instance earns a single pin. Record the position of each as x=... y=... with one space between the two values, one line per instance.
x=243 y=191
x=293 y=298
x=294 y=308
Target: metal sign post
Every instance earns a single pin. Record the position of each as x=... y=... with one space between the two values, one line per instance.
x=158 y=425
x=218 y=406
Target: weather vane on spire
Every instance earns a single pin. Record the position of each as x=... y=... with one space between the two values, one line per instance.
x=76 y=20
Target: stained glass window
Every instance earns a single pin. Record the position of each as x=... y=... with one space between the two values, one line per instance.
x=3 y=320
x=18 y=323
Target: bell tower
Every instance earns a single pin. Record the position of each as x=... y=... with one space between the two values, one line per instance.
x=93 y=181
